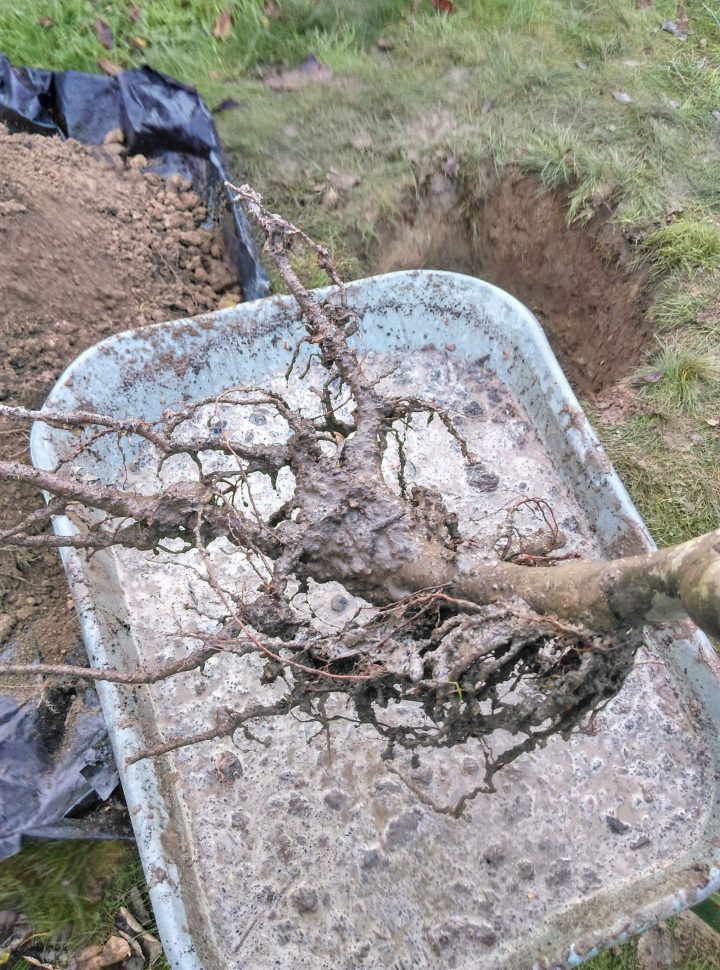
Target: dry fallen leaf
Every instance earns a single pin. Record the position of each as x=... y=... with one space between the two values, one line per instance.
x=139 y=43
x=135 y=14
x=115 y=951
x=108 y=67
x=103 y=32
x=222 y=28
x=272 y=10
x=713 y=422
x=46 y=22
x=443 y=6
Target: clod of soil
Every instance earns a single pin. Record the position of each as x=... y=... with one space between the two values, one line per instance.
x=90 y=244
x=575 y=280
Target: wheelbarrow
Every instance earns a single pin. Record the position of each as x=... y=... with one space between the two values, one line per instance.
x=289 y=847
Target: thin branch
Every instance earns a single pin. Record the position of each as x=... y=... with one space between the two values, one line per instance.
x=194 y=660
x=37 y=518
x=70 y=420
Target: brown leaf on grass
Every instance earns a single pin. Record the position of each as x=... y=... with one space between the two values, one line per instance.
x=46 y=22
x=96 y=957
x=222 y=28
x=103 y=32
x=108 y=67
x=129 y=927
x=330 y=198
x=139 y=43
x=135 y=13
x=272 y=10
x=443 y=6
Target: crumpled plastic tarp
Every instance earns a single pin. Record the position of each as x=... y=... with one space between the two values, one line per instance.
x=56 y=766
x=57 y=773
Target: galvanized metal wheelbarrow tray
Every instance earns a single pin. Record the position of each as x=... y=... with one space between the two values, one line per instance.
x=304 y=859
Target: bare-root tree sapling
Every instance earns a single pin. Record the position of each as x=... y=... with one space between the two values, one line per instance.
x=459 y=643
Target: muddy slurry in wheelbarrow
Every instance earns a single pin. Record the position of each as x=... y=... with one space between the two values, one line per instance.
x=324 y=789
x=296 y=840
x=335 y=847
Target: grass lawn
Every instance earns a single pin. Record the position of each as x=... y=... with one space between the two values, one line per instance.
x=602 y=105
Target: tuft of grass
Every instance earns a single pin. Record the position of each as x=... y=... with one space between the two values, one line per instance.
x=70 y=887
x=686 y=245
x=71 y=891
x=689 y=376
x=680 y=301
x=671 y=467
x=21 y=558
x=625 y=957
x=553 y=156
x=617 y=958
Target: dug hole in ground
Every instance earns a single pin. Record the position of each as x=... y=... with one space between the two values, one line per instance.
x=577 y=280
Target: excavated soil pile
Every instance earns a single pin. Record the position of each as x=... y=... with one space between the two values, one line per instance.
x=575 y=280
x=90 y=244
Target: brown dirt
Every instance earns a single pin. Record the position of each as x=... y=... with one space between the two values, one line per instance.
x=574 y=280
x=616 y=403
x=89 y=245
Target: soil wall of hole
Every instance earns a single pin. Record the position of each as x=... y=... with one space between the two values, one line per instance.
x=575 y=280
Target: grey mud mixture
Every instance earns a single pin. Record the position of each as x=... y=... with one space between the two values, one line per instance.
x=300 y=844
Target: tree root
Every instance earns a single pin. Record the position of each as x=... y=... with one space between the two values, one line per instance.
x=451 y=646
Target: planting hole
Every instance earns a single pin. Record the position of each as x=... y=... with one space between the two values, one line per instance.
x=573 y=279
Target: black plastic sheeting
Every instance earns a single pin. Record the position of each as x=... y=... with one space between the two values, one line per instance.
x=58 y=778
x=57 y=774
